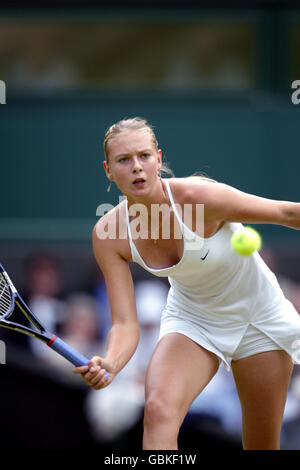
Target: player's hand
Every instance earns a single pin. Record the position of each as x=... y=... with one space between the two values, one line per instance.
x=94 y=373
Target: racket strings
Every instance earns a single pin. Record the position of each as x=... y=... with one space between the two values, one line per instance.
x=5 y=296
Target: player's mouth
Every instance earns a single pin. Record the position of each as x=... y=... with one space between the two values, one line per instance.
x=139 y=182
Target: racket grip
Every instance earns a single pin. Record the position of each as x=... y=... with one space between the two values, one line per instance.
x=68 y=352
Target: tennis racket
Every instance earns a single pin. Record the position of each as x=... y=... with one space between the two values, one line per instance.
x=9 y=297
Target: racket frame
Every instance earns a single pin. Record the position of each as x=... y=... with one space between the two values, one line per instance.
x=40 y=333
x=17 y=299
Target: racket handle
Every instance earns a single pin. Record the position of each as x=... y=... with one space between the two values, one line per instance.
x=68 y=352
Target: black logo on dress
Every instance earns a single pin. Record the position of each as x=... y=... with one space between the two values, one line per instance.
x=205 y=256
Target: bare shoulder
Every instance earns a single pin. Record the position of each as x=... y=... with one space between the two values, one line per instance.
x=194 y=189
x=110 y=236
x=111 y=220
x=223 y=202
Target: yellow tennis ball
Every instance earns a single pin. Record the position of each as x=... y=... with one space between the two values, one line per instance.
x=245 y=241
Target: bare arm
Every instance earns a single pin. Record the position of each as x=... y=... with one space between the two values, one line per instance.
x=124 y=334
x=225 y=203
x=123 y=337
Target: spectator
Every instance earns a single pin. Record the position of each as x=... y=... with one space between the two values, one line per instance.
x=44 y=288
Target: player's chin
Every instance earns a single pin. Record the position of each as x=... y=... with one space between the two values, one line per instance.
x=136 y=189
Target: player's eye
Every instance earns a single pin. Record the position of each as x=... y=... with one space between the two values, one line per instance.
x=123 y=159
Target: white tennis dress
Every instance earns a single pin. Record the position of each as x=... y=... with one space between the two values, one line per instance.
x=229 y=304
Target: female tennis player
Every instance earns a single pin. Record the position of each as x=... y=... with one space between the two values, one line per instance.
x=220 y=306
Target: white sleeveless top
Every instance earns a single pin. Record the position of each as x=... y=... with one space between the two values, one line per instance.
x=216 y=294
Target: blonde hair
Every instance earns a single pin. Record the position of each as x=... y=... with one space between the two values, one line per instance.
x=202 y=176
x=132 y=124
x=141 y=124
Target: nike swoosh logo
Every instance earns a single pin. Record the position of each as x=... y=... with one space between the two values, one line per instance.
x=205 y=256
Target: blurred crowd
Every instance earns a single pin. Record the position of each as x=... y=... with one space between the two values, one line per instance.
x=82 y=319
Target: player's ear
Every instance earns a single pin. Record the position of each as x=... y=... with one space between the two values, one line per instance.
x=107 y=170
x=159 y=159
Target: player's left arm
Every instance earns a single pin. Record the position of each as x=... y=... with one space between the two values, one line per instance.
x=226 y=203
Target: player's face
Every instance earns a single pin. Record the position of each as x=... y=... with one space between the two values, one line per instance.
x=133 y=162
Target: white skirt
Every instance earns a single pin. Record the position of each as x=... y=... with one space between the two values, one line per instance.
x=270 y=330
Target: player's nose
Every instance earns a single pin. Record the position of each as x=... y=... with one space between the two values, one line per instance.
x=136 y=165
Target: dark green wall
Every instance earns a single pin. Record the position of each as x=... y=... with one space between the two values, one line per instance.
x=51 y=154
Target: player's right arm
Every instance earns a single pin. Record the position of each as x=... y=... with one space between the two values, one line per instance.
x=123 y=337
x=124 y=334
